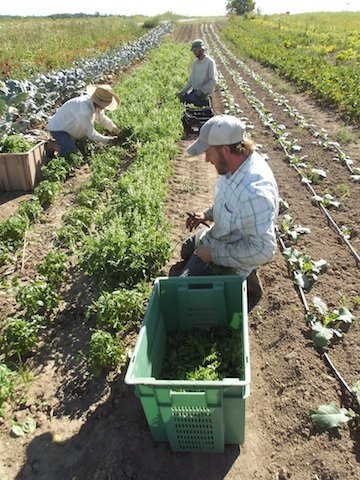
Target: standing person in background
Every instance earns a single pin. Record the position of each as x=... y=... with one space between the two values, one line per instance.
x=244 y=211
x=203 y=77
x=75 y=119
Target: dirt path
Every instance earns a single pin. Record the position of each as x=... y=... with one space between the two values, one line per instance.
x=100 y=429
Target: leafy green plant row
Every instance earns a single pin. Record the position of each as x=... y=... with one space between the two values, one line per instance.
x=14 y=228
x=130 y=242
x=324 y=63
x=290 y=147
x=117 y=230
x=320 y=135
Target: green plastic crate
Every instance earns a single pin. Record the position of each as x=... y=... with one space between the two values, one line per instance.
x=191 y=415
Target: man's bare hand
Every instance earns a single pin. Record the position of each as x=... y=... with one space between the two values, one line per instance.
x=194 y=220
x=204 y=252
x=115 y=131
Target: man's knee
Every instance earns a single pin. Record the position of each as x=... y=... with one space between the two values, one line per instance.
x=254 y=289
x=187 y=248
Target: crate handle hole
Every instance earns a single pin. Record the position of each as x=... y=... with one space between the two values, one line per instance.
x=201 y=286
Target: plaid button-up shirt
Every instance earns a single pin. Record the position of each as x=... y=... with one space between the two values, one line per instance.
x=244 y=215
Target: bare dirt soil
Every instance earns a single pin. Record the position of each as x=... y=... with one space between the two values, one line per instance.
x=96 y=429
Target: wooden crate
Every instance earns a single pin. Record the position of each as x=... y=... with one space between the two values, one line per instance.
x=21 y=171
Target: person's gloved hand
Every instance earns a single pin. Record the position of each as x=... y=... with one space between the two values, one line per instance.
x=116 y=131
x=181 y=95
x=194 y=220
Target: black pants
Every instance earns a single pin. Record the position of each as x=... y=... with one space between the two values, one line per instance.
x=191 y=265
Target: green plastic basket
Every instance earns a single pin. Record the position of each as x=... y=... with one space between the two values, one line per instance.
x=191 y=415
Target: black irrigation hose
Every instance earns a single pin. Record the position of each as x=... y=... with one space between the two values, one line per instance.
x=345 y=387
x=331 y=221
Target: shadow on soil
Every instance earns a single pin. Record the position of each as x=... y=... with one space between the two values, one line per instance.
x=8 y=196
x=115 y=443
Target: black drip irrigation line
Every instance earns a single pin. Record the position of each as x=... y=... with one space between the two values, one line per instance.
x=331 y=221
x=344 y=386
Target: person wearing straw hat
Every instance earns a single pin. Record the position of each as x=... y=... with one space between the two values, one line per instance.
x=202 y=79
x=75 y=119
x=244 y=212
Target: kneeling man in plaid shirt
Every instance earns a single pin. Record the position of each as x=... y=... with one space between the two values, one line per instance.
x=244 y=213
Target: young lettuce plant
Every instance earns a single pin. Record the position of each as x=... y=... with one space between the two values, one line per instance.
x=53 y=267
x=346 y=231
x=325 y=324
x=312 y=175
x=37 y=298
x=283 y=206
x=305 y=270
x=46 y=192
x=105 y=352
x=120 y=310
x=8 y=383
x=20 y=337
x=289 y=231
x=12 y=231
x=330 y=416
x=327 y=200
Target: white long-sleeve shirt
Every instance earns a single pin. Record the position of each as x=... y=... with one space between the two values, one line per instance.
x=77 y=116
x=203 y=76
x=244 y=214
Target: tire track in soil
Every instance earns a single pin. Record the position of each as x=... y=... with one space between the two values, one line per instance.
x=200 y=178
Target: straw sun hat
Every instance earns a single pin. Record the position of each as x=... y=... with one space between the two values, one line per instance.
x=103 y=96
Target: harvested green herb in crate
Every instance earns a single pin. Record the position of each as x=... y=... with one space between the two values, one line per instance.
x=198 y=414
x=203 y=354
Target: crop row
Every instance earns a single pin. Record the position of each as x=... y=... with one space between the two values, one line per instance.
x=318 y=63
x=13 y=229
x=24 y=104
x=30 y=96
x=35 y=45
x=291 y=148
x=117 y=232
x=320 y=135
x=324 y=324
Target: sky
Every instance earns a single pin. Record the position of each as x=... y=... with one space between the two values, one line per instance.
x=153 y=7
